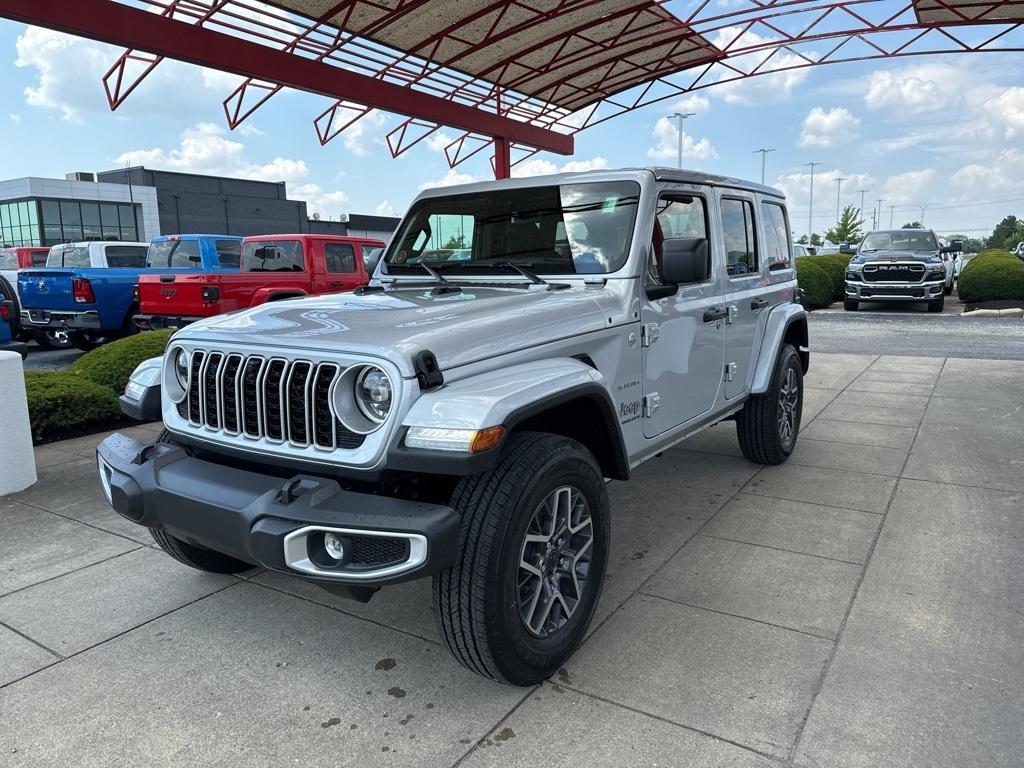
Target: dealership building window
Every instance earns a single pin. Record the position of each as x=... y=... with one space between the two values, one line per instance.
x=49 y=222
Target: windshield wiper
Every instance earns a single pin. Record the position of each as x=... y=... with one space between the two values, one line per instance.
x=533 y=277
x=446 y=286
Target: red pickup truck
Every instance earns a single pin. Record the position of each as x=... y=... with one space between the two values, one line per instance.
x=274 y=267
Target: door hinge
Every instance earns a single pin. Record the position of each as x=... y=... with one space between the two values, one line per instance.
x=730 y=371
x=649 y=334
x=732 y=310
x=652 y=402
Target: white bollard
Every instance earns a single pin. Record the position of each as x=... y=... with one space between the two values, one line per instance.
x=17 y=459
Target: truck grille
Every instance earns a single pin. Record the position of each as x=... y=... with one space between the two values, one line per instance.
x=901 y=273
x=282 y=401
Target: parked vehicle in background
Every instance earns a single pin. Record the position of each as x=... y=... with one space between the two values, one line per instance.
x=273 y=267
x=25 y=257
x=1019 y=250
x=89 y=289
x=458 y=419
x=223 y=252
x=899 y=265
x=800 y=250
x=952 y=262
x=9 y=341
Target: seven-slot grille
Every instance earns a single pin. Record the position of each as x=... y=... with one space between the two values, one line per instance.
x=283 y=401
x=903 y=273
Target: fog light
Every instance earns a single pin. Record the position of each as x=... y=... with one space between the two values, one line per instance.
x=335 y=546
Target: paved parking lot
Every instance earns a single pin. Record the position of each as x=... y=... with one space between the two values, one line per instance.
x=858 y=606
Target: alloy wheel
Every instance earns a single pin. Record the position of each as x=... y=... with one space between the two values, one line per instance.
x=789 y=399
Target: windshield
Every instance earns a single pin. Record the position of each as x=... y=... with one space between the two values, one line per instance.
x=272 y=256
x=567 y=229
x=900 y=240
x=8 y=259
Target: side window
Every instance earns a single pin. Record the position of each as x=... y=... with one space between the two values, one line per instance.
x=740 y=244
x=776 y=247
x=371 y=257
x=39 y=258
x=340 y=257
x=229 y=253
x=273 y=256
x=126 y=256
x=185 y=255
x=678 y=216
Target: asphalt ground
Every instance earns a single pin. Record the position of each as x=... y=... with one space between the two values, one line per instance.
x=858 y=606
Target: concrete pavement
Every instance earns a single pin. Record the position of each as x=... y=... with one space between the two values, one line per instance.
x=857 y=606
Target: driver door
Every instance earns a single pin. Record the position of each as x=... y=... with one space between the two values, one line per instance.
x=683 y=334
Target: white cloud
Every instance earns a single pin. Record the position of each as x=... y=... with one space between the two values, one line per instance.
x=694 y=103
x=451 y=178
x=385 y=208
x=826 y=129
x=248 y=129
x=15 y=117
x=666 y=145
x=366 y=133
x=438 y=140
x=888 y=88
x=593 y=164
x=909 y=187
x=68 y=72
x=1006 y=112
x=978 y=180
x=778 y=82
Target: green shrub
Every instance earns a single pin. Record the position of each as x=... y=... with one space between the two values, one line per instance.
x=112 y=364
x=835 y=264
x=60 y=403
x=992 y=276
x=816 y=282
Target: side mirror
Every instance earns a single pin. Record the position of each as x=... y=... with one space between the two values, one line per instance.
x=956 y=246
x=685 y=260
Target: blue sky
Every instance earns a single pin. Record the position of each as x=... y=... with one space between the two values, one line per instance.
x=946 y=132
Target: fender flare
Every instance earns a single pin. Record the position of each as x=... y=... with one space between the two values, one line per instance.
x=782 y=318
x=506 y=397
x=263 y=295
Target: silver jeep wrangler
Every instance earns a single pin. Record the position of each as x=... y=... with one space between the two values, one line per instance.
x=522 y=342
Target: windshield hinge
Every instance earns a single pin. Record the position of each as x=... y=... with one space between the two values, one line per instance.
x=649 y=334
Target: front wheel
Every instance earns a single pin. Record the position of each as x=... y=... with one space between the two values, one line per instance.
x=850 y=305
x=948 y=289
x=769 y=423
x=937 y=304
x=533 y=550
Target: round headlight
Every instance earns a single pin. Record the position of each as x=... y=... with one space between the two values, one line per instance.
x=373 y=394
x=181 y=367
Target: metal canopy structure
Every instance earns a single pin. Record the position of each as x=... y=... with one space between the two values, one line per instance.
x=518 y=76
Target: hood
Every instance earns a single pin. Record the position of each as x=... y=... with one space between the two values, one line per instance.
x=888 y=255
x=459 y=328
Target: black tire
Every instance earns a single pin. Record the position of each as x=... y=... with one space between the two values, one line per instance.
x=948 y=289
x=55 y=339
x=478 y=601
x=200 y=558
x=88 y=340
x=850 y=305
x=936 y=304
x=759 y=425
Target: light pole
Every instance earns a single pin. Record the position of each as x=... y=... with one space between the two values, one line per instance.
x=764 y=153
x=923 y=209
x=892 y=209
x=839 y=186
x=682 y=116
x=862 y=191
x=879 y=212
x=810 y=208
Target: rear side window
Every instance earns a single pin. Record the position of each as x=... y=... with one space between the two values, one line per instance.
x=71 y=256
x=340 y=257
x=273 y=256
x=776 y=236
x=39 y=257
x=126 y=256
x=371 y=257
x=740 y=244
x=229 y=253
x=8 y=260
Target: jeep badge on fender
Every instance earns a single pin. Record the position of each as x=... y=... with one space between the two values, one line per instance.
x=458 y=418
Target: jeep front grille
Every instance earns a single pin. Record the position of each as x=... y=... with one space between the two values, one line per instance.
x=282 y=401
x=899 y=273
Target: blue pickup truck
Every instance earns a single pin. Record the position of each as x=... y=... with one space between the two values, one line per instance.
x=8 y=322
x=88 y=289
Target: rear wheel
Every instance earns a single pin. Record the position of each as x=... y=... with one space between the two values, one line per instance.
x=769 y=423
x=948 y=289
x=55 y=339
x=936 y=304
x=850 y=305
x=533 y=549
x=89 y=340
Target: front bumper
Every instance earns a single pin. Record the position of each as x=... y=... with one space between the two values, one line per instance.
x=879 y=291
x=159 y=322
x=273 y=522
x=41 y=319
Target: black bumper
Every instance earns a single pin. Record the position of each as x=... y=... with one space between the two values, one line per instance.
x=248 y=515
x=160 y=322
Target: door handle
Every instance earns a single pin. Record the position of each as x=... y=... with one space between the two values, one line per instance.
x=759 y=304
x=713 y=314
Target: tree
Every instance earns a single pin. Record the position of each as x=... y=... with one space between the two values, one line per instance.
x=1004 y=231
x=847 y=229
x=1015 y=237
x=455 y=242
x=913 y=225
x=816 y=239
x=971 y=244
x=802 y=240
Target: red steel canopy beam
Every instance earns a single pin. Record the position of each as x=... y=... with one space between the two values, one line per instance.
x=112 y=22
